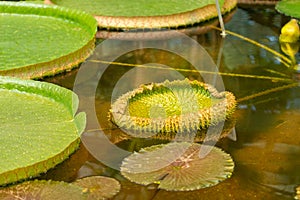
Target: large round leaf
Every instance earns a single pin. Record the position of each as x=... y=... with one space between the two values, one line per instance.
x=148 y=13
x=39 y=40
x=38 y=129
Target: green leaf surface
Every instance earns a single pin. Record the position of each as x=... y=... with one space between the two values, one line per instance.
x=38 y=127
x=38 y=40
x=148 y=14
x=135 y=7
x=289 y=7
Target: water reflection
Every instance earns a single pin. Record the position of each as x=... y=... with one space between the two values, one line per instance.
x=267 y=146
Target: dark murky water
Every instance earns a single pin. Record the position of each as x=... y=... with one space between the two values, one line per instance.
x=266 y=150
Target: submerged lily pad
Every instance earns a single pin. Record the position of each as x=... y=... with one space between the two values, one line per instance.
x=99 y=187
x=289 y=7
x=39 y=127
x=177 y=166
x=96 y=187
x=148 y=13
x=40 y=40
x=44 y=190
x=180 y=106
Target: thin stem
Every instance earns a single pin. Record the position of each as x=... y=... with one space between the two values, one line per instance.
x=281 y=79
x=220 y=19
x=282 y=57
x=295 y=84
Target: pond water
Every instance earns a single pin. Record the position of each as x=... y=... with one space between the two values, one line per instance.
x=265 y=142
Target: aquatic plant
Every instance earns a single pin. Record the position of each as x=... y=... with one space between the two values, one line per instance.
x=290 y=32
x=94 y=187
x=58 y=39
x=180 y=106
x=45 y=190
x=289 y=7
x=177 y=166
x=39 y=127
x=99 y=187
x=149 y=14
x=288 y=39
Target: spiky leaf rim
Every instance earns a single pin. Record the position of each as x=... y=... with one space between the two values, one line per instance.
x=189 y=122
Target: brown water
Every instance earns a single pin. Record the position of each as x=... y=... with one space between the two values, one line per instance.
x=266 y=150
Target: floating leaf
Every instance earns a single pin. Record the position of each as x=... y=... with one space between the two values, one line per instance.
x=99 y=187
x=289 y=7
x=177 y=166
x=180 y=106
x=38 y=129
x=39 y=40
x=44 y=190
x=148 y=13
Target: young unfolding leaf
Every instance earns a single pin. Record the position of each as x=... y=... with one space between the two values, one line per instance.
x=180 y=106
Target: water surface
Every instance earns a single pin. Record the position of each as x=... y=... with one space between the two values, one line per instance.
x=266 y=144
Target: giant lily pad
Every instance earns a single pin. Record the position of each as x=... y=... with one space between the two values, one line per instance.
x=40 y=40
x=148 y=13
x=289 y=7
x=38 y=129
x=180 y=106
x=177 y=166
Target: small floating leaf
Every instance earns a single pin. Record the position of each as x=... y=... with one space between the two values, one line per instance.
x=180 y=106
x=39 y=127
x=177 y=166
x=43 y=190
x=99 y=187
